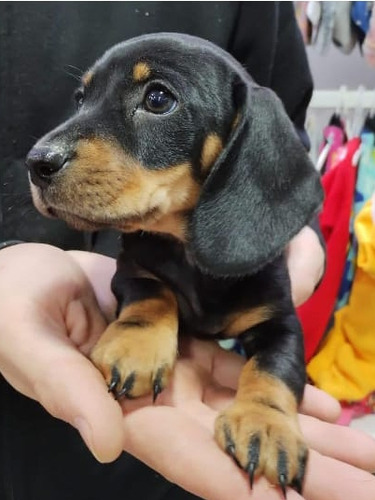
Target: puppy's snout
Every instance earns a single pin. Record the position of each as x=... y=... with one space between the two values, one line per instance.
x=43 y=163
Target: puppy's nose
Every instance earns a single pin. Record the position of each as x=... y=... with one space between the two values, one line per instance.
x=43 y=163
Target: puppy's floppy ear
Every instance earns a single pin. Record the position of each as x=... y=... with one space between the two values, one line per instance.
x=260 y=192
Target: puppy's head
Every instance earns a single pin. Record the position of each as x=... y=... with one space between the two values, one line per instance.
x=172 y=135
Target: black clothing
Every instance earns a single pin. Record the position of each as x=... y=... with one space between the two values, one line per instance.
x=44 y=46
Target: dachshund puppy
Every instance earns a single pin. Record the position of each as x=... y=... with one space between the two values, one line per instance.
x=201 y=169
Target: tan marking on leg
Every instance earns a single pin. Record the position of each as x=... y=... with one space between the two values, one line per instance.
x=258 y=383
x=143 y=341
x=141 y=72
x=264 y=409
x=241 y=321
x=211 y=149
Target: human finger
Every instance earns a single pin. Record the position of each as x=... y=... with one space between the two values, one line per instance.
x=319 y=404
x=224 y=369
x=175 y=445
x=48 y=318
x=330 y=479
x=99 y=270
x=343 y=443
x=305 y=261
x=222 y=365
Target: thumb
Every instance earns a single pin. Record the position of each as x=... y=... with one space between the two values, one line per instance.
x=46 y=366
x=71 y=389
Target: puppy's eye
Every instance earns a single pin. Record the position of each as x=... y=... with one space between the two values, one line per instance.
x=79 y=97
x=159 y=101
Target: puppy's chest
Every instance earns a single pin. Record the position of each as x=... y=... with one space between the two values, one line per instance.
x=208 y=305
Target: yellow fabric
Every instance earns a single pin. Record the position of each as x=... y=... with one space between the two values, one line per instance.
x=345 y=366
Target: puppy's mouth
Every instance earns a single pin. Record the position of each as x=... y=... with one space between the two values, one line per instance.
x=126 y=223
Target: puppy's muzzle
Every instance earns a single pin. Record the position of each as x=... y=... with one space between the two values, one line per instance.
x=44 y=163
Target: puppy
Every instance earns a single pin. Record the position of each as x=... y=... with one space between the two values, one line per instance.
x=200 y=168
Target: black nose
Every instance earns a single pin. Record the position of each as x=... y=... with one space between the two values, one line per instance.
x=43 y=163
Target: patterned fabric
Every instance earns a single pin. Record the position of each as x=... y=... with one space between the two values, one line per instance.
x=349 y=411
x=345 y=366
x=364 y=189
x=338 y=185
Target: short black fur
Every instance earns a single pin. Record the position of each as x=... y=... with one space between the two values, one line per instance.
x=259 y=193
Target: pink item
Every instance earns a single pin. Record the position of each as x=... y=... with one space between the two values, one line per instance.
x=349 y=411
x=368 y=46
x=335 y=136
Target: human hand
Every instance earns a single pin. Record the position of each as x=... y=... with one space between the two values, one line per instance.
x=305 y=260
x=175 y=436
x=42 y=355
x=49 y=320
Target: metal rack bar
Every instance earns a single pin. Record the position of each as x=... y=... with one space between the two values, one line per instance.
x=343 y=98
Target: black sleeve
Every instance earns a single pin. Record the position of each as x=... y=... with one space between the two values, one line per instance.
x=267 y=41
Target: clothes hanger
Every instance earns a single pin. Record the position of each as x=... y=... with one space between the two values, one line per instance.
x=369 y=124
x=335 y=120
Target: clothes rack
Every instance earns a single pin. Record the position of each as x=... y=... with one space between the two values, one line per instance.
x=343 y=98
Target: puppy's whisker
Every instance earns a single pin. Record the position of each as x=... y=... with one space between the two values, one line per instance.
x=76 y=77
x=81 y=71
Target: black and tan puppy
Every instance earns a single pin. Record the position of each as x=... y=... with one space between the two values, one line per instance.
x=201 y=169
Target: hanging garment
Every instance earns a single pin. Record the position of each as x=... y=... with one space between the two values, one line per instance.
x=314 y=15
x=325 y=32
x=303 y=21
x=361 y=14
x=345 y=366
x=369 y=42
x=334 y=137
x=364 y=188
x=343 y=35
x=338 y=186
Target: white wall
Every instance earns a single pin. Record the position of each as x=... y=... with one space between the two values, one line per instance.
x=334 y=68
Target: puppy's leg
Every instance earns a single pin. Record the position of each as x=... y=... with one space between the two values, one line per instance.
x=137 y=352
x=260 y=430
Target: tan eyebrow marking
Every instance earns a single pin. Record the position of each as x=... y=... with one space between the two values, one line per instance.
x=141 y=71
x=212 y=147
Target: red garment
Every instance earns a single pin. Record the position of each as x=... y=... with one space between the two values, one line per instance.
x=339 y=185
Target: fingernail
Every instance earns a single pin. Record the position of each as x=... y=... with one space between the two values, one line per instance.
x=85 y=431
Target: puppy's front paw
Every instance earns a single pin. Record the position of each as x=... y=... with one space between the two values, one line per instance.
x=264 y=439
x=136 y=359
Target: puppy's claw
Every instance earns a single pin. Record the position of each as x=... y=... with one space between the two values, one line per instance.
x=282 y=466
x=251 y=471
x=297 y=483
x=283 y=483
x=254 y=451
x=230 y=447
x=127 y=386
x=156 y=390
x=114 y=380
x=157 y=385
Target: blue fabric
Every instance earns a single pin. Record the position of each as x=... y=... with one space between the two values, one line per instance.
x=361 y=14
